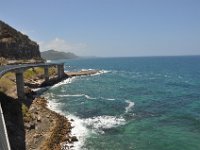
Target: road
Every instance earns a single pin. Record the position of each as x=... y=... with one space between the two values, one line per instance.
x=4 y=141
x=7 y=68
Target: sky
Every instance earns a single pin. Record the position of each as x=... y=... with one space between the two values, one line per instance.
x=108 y=28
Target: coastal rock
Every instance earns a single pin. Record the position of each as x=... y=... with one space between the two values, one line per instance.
x=39 y=119
x=14 y=45
x=30 y=125
x=74 y=139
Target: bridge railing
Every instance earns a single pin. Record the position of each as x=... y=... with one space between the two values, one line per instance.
x=4 y=141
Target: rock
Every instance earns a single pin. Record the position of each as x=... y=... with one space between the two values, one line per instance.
x=36 y=135
x=74 y=139
x=27 y=90
x=39 y=119
x=30 y=125
x=15 y=45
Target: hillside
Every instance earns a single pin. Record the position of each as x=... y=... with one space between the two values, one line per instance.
x=15 y=46
x=54 y=55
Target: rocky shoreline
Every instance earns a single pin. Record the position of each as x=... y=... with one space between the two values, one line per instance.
x=47 y=130
x=31 y=125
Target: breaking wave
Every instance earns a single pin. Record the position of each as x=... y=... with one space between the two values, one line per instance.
x=103 y=122
x=130 y=105
x=78 y=95
x=66 y=81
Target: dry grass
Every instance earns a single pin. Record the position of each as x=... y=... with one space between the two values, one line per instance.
x=53 y=71
x=36 y=72
x=3 y=61
x=7 y=83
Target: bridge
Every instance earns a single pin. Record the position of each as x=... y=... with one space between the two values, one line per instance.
x=19 y=70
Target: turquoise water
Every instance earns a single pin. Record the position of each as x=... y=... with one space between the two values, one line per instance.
x=150 y=103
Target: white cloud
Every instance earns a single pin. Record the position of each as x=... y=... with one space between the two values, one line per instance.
x=62 y=45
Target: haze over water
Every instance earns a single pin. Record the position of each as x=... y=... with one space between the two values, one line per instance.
x=144 y=103
x=136 y=103
x=109 y=28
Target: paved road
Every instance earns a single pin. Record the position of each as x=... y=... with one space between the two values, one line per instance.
x=7 y=68
x=4 y=141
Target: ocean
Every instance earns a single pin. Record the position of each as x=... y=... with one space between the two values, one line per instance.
x=141 y=103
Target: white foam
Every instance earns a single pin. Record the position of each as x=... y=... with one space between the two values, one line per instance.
x=101 y=72
x=88 y=97
x=104 y=122
x=78 y=130
x=130 y=106
x=40 y=90
x=77 y=95
x=48 y=96
x=82 y=128
x=53 y=105
x=109 y=99
x=36 y=89
x=71 y=95
x=87 y=69
x=66 y=81
x=48 y=61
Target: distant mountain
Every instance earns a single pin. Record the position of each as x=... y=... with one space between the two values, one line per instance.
x=54 y=55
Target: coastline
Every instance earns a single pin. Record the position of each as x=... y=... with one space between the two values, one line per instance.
x=52 y=129
x=47 y=129
x=32 y=124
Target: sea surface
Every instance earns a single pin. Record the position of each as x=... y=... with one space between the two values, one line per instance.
x=144 y=103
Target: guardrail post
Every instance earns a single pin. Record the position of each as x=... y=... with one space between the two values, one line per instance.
x=20 y=84
x=46 y=73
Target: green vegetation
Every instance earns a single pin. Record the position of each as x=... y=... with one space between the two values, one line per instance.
x=7 y=82
x=38 y=72
x=24 y=109
x=26 y=114
x=33 y=73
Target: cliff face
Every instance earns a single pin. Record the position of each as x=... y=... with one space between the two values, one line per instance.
x=15 y=45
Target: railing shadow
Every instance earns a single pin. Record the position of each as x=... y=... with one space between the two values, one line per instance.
x=13 y=116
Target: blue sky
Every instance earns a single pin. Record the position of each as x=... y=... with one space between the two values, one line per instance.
x=109 y=27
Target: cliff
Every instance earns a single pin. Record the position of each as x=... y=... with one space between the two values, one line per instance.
x=54 y=55
x=15 y=45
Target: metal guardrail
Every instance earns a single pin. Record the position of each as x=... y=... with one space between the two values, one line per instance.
x=7 y=68
x=4 y=141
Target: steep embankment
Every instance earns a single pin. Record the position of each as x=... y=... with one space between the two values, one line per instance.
x=31 y=125
x=15 y=45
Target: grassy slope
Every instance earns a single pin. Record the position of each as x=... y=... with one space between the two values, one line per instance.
x=7 y=82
